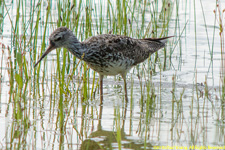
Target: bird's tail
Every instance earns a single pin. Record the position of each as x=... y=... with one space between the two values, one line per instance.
x=161 y=40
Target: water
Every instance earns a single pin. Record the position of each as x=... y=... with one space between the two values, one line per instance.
x=180 y=106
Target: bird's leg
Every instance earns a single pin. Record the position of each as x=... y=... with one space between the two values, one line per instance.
x=101 y=89
x=125 y=86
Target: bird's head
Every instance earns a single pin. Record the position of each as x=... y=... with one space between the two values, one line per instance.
x=59 y=38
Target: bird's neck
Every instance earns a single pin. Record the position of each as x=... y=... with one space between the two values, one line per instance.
x=76 y=47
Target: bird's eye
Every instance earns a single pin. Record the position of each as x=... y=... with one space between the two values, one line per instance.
x=58 y=38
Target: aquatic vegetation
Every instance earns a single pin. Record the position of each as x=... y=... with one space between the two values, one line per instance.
x=176 y=95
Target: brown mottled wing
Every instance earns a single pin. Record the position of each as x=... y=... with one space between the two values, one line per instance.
x=109 y=47
x=110 y=43
x=117 y=47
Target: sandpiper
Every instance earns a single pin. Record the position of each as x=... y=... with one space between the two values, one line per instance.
x=107 y=54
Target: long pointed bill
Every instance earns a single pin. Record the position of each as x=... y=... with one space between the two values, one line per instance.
x=49 y=49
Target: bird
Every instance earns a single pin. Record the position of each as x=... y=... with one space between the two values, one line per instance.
x=107 y=54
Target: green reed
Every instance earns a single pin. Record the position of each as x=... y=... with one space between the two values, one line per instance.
x=173 y=104
x=63 y=14
x=118 y=128
x=18 y=71
x=3 y=47
x=150 y=108
x=222 y=68
x=219 y=19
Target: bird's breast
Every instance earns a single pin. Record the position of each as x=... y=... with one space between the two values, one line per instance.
x=111 y=67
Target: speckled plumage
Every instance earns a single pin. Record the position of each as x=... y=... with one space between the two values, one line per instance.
x=107 y=54
x=111 y=54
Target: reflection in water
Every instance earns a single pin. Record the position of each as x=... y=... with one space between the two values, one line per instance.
x=103 y=139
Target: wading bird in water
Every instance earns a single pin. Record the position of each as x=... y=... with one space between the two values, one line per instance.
x=106 y=54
